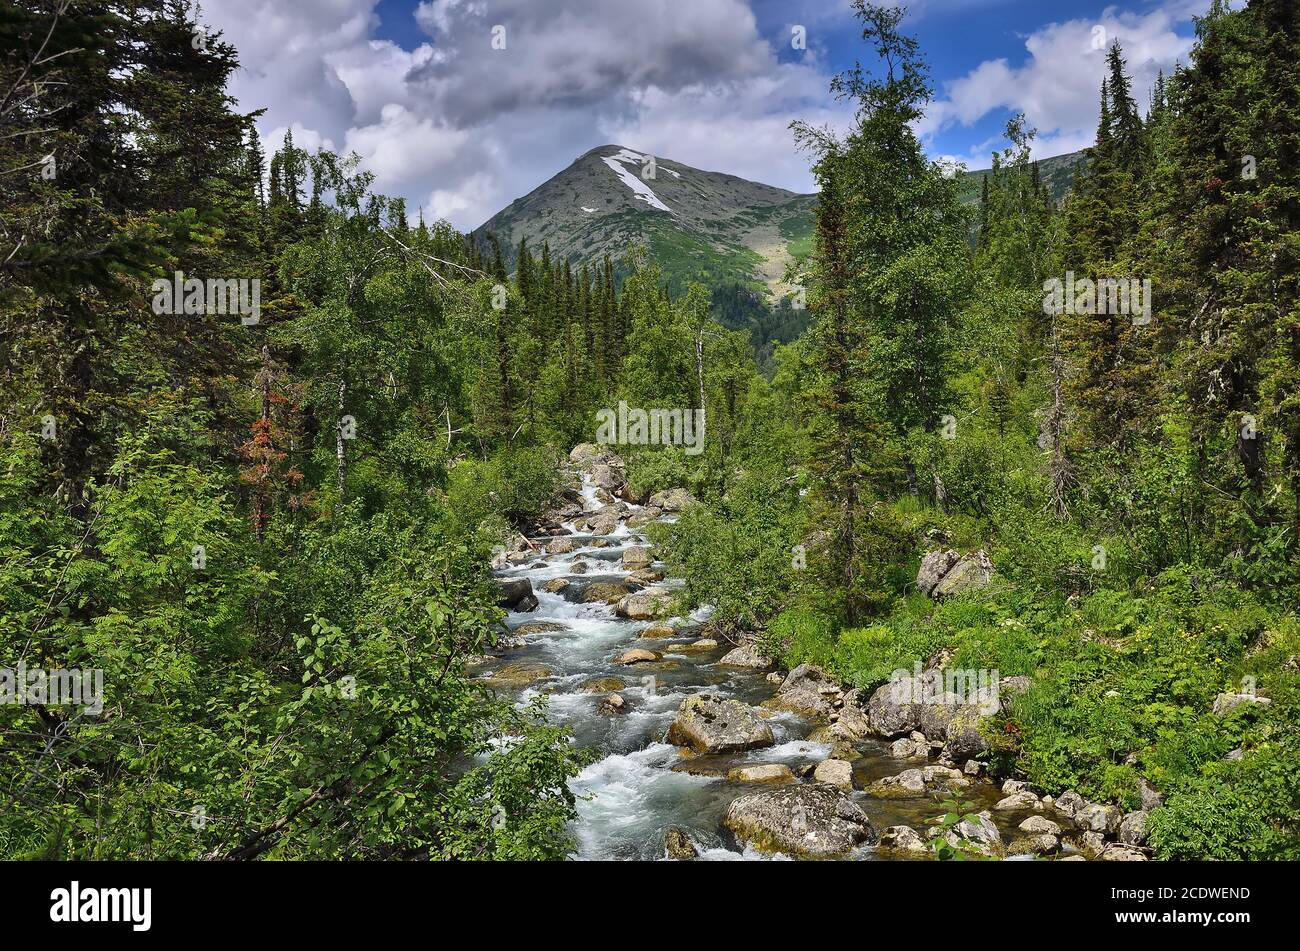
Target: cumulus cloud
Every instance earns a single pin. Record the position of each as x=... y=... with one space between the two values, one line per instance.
x=462 y=128
x=1058 y=86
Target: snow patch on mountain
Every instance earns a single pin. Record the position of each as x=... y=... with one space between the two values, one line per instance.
x=640 y=190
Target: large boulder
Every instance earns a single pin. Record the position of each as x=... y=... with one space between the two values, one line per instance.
x=1069 y=802
x=809 y=691
x=636 y=655
x=972 y=571
x=516 y=594
x=1099 y=817
x=636 y=558
x=1042 y=844
x=813 y=820
x=964 y=739
x=562 y=546
x=903 y=839
x=921 y=703
x=979 y=832
x=1225 y=703
x=603 y=592
x=607 y=476
x=1133 y=829
x=746 y=655
x=585 y=454
x=851 y=721
x=1038 y=825
x=678 y=845
x=709 y=724
x=834 y=772
x=672 y=500
x=934 y=566
x=659 y=629
x=604 y=522
x=774 y=773
x=919 y=782
x=945 y=573
x=644 y=605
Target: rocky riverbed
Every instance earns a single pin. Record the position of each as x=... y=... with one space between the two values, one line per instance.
x=708 y=750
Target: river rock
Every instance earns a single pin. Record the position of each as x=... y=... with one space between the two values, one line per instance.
x=539 y=627
x=812 y=820
x=603 y=523
x=614 y=703
x=764 y=773
x=678 y=846
x=603 y=592
x=703 y=645
x=644 y=605
x=645 y=576
x=637 y=558
x=516 y=594
x=978 y=830
x=659 y=629
x=709 y=724
x=1037 y=825
x=637 y=655
x=556 y=585
x=607 y=476
x=1043 y=844
x=1133 y=829
x=910 y=782
x=835 y=772
x=672 y=500
x=1098 y=817
x=1151 y=798
x=1119 y=853
x=1020 y=800
x=1069 y=802
x=585 y=454
x=644 y=516
x=906 y=747
x=519 y=675
x=562 y=546
x=746 y=655
x=903 y=839
x=963 y=737
x=850 y=719
x=603 y=685
x=808 y=691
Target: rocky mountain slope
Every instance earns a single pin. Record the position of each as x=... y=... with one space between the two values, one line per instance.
x=704 y=226
x=698 y=225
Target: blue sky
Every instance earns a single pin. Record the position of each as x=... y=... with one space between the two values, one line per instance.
x=460 y=128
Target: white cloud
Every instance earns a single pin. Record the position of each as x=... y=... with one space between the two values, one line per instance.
x=1058 y=87
x=463 y=129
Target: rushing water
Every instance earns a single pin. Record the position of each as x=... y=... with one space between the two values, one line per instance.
x=641 y=786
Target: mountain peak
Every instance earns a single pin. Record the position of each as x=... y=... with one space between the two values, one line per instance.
x=706 y=226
